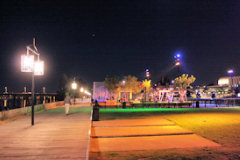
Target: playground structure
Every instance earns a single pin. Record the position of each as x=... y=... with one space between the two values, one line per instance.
x=154 y=97
x=167 y=95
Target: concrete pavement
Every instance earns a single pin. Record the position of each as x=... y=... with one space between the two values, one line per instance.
x=143 y=134
x=54 y=136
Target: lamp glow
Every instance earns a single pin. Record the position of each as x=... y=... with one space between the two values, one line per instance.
x=74 y=85
x=81 y=89
x=27 y=63
x=230 y=71
x=39 y=68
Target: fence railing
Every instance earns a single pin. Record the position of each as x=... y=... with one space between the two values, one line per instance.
x=216 y=102
x=13 y=101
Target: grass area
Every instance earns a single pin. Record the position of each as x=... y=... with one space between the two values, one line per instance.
x=221 y=125
x=107 y=114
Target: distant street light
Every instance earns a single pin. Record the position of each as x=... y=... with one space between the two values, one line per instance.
x=147 y=73
x=28 y=64
x=74 y=87
x=81 y=89
x=230 y=71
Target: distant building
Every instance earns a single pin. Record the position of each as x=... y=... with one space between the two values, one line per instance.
x=228 y=81
x=100 y=93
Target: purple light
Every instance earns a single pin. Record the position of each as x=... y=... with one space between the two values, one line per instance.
x=155 y=85
x=147 y=70
x=230 y=71
x=178 y=55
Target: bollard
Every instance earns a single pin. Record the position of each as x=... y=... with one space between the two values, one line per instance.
x=124 y=105
x=197 y=104
x=95 y=115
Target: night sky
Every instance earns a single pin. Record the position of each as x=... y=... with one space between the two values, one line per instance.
x=91 y=39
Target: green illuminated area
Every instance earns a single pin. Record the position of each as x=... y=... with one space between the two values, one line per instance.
x=131 y=113
x=171 y=110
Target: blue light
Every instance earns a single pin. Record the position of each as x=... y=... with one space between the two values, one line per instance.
x=178 y=55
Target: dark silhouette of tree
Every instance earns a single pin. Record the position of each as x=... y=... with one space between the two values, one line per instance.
x=111 y=84
x=62 y=87
x=164 y=82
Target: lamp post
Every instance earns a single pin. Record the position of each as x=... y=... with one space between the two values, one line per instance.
x=74 y=87
x=28 y=64
x=231 y=74
x=147 y=76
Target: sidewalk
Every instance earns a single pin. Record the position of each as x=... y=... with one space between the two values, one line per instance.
x=54 y=136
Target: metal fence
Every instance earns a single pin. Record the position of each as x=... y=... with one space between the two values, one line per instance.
x=19 y=100
x=216 y=102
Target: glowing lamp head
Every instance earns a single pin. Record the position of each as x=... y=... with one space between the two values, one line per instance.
x=81 y=89
x=27 y=63
x=178 y=55
x=147 y=75
x=39 y=68
x=123 y=82
x=74 y=85
x=230 y=71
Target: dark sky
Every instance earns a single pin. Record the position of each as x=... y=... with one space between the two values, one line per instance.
x=91 y=39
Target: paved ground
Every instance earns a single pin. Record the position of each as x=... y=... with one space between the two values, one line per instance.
x=54 y=136
x=105 y=132
x=143 y=134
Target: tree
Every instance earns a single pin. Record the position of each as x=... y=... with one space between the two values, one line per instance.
x=183 y=81
x=164 y=82
x=131 y=84
x=62 y=87
x=111 y=84
x=146 y=84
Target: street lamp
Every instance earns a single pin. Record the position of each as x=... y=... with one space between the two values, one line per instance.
x=81 y=89
x=74 y=87
x=178 y=61
x=147 y=73
x=231 y=74
x=28 y=64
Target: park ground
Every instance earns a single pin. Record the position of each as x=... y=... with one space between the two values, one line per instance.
x=220 y=125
